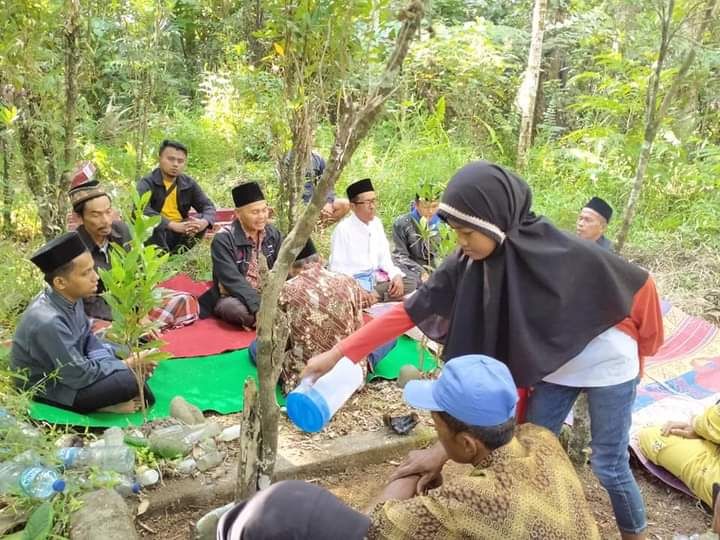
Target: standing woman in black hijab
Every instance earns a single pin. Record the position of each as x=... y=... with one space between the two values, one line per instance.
x=562 y=313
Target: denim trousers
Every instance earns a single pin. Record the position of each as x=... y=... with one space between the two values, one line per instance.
x=610 y=418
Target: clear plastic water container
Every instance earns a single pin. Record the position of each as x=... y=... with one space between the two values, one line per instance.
x=311 y=406
x=34 y=481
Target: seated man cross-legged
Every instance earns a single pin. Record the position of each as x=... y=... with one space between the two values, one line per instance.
x=322 y=307
x=235 y=294
x=416 y=236
x=361 y=250
x=522 y=485
x=173 y=194
x=99 y=230
x=54 y=336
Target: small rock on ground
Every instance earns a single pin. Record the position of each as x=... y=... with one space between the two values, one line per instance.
x=103 y=514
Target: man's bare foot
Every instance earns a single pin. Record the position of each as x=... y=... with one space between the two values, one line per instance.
x=122 y=408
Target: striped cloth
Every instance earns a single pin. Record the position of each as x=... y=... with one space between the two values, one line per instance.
x=178 y=309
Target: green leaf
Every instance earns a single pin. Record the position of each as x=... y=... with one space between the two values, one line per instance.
x=40 y=523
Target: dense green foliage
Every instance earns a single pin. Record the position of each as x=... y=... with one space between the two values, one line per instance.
x=215 y=76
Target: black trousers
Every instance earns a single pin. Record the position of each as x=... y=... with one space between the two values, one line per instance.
x=173 y=242
x=117 y=387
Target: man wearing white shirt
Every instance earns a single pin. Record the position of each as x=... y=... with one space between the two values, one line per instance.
x=360 y=249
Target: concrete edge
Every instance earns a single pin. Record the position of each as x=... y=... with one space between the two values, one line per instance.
x=336 y=456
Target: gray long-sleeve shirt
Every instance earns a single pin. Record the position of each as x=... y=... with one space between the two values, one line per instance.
x=54 y=334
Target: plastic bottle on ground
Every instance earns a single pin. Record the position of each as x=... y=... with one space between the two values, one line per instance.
x=310 y=407
x=177 y=440
x=8 y=420
x=120 y=459
x=207 y=525
x=114 y=436
x=186 y=466
x=36 y=481
x=230 y=433
x=122 y=483
x=147 y=476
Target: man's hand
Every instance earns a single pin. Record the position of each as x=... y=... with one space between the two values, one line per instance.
x=428 y=482
x=680 y=429
x=396 y=289
x=132 y=361
x=424 y=277
x=179 y=227
x=327 y=211
x=397 y=490
x=319 y=365
x=427 y=463
x=153 y=332
x=196 y=226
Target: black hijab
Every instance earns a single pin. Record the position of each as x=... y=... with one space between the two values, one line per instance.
x=537 y=300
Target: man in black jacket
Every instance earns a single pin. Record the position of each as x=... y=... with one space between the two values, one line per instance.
x=235 y=296
x=173 y=194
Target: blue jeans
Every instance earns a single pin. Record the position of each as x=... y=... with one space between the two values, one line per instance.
x=610 y=418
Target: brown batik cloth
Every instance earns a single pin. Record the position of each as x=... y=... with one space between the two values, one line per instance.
x=323 y=307
x=525 y=489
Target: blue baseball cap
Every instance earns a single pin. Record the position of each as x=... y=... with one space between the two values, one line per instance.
x=475 y=389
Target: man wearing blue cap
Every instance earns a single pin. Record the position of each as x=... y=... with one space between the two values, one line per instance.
x=517 y=471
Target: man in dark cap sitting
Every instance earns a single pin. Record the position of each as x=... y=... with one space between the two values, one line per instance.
x=593 y=221
x=54 y=336
x=322 y=307
x=235 y=294
x=173 y=194
x=360 y=249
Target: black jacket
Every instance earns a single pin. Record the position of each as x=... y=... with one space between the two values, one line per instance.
x=190 y=195
x=230 y=251
x=412 y=254
x=96 y=306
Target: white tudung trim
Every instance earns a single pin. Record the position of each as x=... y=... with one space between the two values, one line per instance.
x=477 y=222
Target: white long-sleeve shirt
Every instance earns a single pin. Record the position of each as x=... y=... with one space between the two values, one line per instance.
x=357 y=247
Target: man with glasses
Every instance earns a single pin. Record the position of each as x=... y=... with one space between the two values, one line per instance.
x=360 y=249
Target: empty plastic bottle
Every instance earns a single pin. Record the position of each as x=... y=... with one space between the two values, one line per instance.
x=120 y=459
x=7 y=421
x=114 y=436
x=310 y=407
x=178 y=440
x=121 y=483
x=36 y=481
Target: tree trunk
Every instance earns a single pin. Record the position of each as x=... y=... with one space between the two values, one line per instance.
x=247 y=472
x=354 y=123
x=7 y=191
x=654 y=115
x=36 y=147
x=527 y=93
x=72 y=70
x=254 y=19
x=580 y=434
